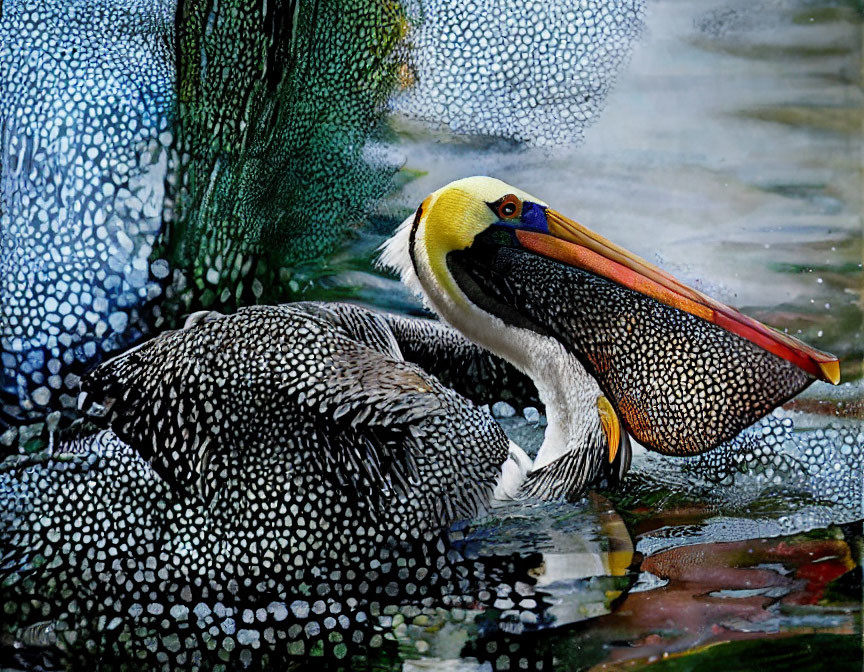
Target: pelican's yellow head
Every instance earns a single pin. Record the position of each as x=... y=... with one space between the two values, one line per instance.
x=449 y=220
x=452 y=217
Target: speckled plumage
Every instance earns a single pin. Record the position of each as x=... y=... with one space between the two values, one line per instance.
x=303 y=478
x=460 y=364
x=201 y=401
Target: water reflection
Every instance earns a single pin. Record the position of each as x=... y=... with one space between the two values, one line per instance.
x=585 y=552
x=105 y=562
x=732 y=592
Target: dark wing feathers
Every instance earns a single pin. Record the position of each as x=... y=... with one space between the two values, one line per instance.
x=437 y=348
x=357 y=323
x=460 y=364
x=269 y=377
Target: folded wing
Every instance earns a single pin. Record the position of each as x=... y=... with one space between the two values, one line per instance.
x=286 y=379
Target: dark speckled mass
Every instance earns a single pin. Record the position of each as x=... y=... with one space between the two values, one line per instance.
x=681 y=384
x=288 y=511
x=318 y=399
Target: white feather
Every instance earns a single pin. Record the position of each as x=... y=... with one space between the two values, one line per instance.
x=395 y=255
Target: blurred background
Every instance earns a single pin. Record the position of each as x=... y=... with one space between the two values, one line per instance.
x=157 y=158
x=161 y=158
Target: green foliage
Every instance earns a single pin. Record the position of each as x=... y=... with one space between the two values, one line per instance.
x=277 y=104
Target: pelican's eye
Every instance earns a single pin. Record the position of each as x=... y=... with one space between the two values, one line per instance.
x=508 y=207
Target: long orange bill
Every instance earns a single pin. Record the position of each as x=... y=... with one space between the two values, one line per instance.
x=573 y=244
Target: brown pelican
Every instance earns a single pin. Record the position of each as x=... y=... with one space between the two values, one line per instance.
x=314 y=456
x=614 y=346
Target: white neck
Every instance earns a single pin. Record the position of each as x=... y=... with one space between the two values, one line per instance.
x=566 y=389
x=564 y=386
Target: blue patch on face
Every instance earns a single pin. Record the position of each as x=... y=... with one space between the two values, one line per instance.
x=533 y=218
